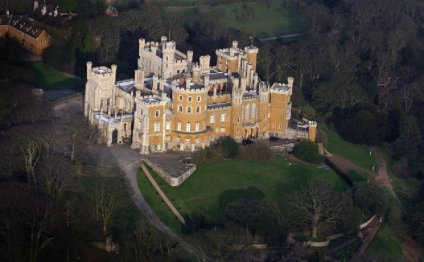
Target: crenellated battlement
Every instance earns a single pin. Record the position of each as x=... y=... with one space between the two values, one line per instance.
x=101 y=73
x=230 y=94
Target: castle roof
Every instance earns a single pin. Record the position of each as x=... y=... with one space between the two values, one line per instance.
x=23 y=23
x=126 y=85
x=214 y=75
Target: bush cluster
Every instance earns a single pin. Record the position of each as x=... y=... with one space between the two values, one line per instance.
x=307 y=151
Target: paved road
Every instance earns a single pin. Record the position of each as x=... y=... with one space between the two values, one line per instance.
x=129 y=162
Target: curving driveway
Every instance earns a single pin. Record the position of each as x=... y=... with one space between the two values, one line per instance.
x=120 y=156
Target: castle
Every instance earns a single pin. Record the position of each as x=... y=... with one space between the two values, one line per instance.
x=174 y=103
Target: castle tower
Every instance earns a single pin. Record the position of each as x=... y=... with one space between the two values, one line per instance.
x=236 y=110
x=312 y=130
x=189 y=107
x=252 y=55
x=196 y=73
x=280 y=108
x=189 y=60
x=204 y=62
x=99 y=89
x=168 y=57
x=139 y=79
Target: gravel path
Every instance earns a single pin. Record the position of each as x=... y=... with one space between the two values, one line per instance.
x=121 y=156
x=129 y=162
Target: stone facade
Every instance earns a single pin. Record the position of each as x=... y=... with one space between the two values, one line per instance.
x=175 y=104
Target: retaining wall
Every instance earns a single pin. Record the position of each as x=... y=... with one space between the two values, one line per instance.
x=171 y=180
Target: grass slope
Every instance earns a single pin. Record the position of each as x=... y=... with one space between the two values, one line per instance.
x=358 y=154
x=50 y=79
x=387 y=243
x=201 y=193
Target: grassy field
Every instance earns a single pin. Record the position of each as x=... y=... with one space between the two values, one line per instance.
x=261 y=20
x=50 y=79
x=358 y=154
x=387 y=243
x=216 y=183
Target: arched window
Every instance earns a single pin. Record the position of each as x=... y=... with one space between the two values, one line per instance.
x=188 y=127
x=198 y=99
x=189 y=109
x=180 y=108
x=180 y=98
x=189 y=99
x=198 y=109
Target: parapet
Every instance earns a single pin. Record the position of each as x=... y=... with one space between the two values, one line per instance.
x=312 y=124
x=101 y=72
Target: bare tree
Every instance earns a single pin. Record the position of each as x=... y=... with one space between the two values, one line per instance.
x=317 y=206
x=105 y=204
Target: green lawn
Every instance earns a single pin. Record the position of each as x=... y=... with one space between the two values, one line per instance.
x=386 y=242
x=50 y=79
x=358 y=154
x=203 y=192
x=261 y=22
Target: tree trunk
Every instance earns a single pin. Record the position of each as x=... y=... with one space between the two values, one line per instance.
x=314 y=231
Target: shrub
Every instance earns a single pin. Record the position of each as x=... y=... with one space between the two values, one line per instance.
x=206 y=156
x=257 y=151
x=307 y=151
x=369 y=198
x=229 y=147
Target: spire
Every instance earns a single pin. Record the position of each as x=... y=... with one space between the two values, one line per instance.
x=169 y=31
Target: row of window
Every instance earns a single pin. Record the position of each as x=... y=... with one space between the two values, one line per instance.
x=156 y=125
x=180 y=109
x=223 y=117
x=180 y=98
x=188 y=127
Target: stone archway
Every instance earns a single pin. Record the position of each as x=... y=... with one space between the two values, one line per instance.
x=114 y=136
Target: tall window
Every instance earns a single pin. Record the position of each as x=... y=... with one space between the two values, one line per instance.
x=156 y=127
x=179 y=126
x=247 y=112
x=198 y=109
x=212 y=119
x=253 y=111
x=189 y=109
x=180 y=98
x=168 y=125
x=189 y=98
x=180 y=108
x=223 y=117
x=188 y=127
x=197 y=127
x=157 y=112
x=198 y=99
